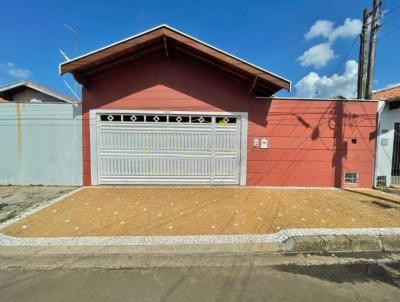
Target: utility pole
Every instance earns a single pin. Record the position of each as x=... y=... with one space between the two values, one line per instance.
x=362 y=58
x=375 y=16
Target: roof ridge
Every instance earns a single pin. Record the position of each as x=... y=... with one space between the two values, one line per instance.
x=40 y=88
x=73 y=64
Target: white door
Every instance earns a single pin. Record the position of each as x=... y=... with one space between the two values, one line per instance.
x=163 y=148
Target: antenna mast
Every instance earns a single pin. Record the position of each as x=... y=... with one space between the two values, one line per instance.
x=74 y=38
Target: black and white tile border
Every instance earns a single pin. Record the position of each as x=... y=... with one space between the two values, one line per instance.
x=279 y=237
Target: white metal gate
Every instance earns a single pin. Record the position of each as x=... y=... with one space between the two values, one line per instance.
x=396 y=156
x=167 y=148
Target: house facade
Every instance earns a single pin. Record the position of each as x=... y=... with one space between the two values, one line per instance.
x=162 y=107
x=387 y=170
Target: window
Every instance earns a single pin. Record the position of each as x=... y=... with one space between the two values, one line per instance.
x=354 y=141
x=165 y=118
x=201 y=119
x=350 y=177
x=133 y=118
x=179 y=119
x=110 y=117
x=225 y=120
x=156 y=119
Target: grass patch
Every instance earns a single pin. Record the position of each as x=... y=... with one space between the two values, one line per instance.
x=8 y=216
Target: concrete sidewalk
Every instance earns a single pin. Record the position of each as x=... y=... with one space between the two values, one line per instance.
x=286 y=241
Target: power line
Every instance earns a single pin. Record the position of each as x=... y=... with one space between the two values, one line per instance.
x=385 y=14
x=389 y=33
x=355 y=40
x=385 y=22
x=391 y=10
x=346 y=56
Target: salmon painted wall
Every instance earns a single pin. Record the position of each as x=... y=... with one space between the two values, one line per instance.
x=309 y=140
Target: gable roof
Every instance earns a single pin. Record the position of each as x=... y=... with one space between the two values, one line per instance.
x=387 y=93
x=167 y=39
x=9 y=90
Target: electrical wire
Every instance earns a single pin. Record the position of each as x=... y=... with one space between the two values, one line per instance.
x=391 y=10
x=346 y=56
x=388 y=12
x=389 y=33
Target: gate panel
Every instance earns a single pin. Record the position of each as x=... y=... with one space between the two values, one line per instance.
x=396 y=155
x=169 y=149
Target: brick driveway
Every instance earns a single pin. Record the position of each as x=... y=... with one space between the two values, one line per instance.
x=132 y=211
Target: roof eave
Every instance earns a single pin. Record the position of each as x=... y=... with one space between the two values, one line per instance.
x=38 y=88
x=286 y=84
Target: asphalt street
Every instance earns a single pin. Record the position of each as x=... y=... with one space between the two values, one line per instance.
x=235 y=283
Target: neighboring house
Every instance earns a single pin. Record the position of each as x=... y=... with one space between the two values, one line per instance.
x=387 y=166
x=162 y=107
x=40 y=136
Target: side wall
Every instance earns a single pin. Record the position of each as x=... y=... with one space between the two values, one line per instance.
x=384 y=150
x=313 y=143
x=40 y=144
x=309 y=140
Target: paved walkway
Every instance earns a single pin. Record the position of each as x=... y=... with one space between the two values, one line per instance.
x=177 y=211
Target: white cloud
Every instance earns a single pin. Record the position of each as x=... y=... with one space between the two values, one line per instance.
x=322 y=28
x=313 y=85
x=326 y=29
x=10 y=70
x=350 y=28
x=318 y=55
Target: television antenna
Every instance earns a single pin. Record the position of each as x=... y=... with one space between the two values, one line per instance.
x=66 y=57
x=74 y=38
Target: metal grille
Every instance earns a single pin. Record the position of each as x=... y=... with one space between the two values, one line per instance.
x=396 y=155
x=381 y=180
x=350 y=177
x=173 y=149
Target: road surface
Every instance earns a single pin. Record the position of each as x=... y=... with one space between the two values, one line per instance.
x=234 y=283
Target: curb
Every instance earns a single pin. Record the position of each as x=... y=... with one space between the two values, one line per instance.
x=285 y=241
x=342 y=244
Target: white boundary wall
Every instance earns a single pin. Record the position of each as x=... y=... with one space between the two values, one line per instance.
x=40 y=144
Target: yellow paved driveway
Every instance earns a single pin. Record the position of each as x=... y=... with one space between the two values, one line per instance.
x=131 y=211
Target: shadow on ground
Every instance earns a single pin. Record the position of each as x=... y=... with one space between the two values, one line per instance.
x=351 y=273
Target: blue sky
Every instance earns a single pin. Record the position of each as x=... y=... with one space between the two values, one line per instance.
x=270 y=34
